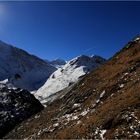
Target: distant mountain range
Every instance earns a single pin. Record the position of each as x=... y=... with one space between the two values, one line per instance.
x=57 y=63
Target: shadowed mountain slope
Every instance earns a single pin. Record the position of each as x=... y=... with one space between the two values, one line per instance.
x=23 y=70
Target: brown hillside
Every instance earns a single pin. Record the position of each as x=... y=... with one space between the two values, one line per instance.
x=104 y=104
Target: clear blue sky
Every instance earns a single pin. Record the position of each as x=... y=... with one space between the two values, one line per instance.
x=64 y=30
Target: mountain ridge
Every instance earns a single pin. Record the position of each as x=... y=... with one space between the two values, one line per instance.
x=57 y=63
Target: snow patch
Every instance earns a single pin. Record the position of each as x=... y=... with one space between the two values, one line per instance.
x=121 y=86
x=102 y=94
x=56 y=125
x=85 y=112
x=102 y=133
x=76 y=105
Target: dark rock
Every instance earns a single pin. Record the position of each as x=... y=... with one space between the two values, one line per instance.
x=16 y=105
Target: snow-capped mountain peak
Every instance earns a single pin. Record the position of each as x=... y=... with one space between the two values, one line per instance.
x=84 y=60
x=68 y=74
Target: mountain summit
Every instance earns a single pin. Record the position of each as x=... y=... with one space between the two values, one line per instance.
x=23 y=70
x=68 y=74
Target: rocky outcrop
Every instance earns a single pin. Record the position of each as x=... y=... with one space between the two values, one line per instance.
x=16 y=105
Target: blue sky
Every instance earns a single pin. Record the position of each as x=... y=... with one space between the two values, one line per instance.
x=64 y=30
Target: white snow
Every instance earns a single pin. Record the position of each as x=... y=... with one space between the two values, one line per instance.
x=37 y=116
x=102 y=134
x=83 y=84
x=76 y=105
x=78 y=122
x=137 y=39
x=67 y=75
x=97 y=101
x=39 y=132
x=4 y=81
x=102 y=94
x=74 y=118
x=85 y=112
x=126 y=73
x=56 y=124
x=136 y=133
x=122 y=85
x=70 y=117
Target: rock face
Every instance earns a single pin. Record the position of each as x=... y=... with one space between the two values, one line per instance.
x=16 y=105
x=105 y=104
x=68 y=74
x=22 y=69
